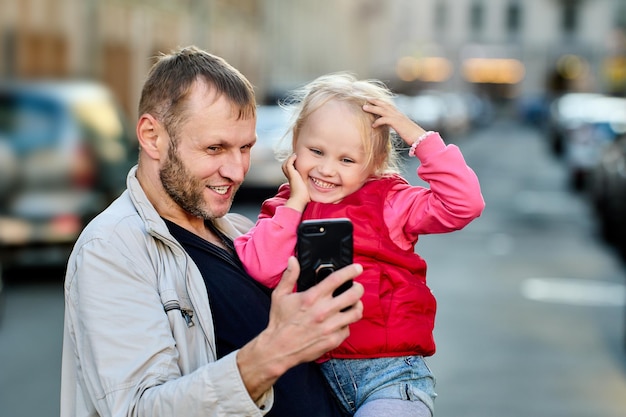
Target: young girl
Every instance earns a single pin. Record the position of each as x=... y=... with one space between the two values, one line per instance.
x=343 y=166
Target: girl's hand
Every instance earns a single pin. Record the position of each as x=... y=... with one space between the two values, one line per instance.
x=389 y=115
x=299 y=193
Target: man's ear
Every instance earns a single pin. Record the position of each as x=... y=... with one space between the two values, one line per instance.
x=149 y=131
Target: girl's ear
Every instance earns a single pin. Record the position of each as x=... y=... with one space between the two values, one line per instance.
x=148 y=134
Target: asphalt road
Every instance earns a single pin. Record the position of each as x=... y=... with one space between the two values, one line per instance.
x=531 y=301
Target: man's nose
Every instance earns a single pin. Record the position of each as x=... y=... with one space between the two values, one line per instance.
x=235 y=167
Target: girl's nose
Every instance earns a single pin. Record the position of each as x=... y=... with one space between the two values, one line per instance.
x=326 y=167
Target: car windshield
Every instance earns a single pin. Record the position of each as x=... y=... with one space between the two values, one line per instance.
x=29 y=123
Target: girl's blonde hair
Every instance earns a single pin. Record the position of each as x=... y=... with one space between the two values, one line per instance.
x=345 y=87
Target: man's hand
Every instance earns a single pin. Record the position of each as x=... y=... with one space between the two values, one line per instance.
x=302 y=326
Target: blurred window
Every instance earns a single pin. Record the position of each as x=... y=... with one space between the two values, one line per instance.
x=620 y=16
x=441 y=16
x=569 y=18
x=513 y=17
x=8 y=50
x=477 y=17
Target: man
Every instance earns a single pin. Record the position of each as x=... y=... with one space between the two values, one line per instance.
x=160 y=319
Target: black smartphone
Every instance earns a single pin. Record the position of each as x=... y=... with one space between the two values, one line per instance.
x=323 y=246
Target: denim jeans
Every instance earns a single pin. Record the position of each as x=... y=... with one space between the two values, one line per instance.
x=356 y=381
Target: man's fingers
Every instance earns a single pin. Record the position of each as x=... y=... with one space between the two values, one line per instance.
x=334 y=280
x=289 y=278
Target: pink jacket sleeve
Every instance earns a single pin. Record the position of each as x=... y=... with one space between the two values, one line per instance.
x=264 y=250
x=451 y=202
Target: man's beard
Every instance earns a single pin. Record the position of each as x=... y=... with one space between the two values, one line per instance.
x=185 y=190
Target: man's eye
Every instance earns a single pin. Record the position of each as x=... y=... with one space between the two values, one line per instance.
x=214 y=149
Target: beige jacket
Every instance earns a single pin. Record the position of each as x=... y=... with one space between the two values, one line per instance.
x=138 y=338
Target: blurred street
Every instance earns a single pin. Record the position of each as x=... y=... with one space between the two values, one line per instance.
x=531 y=317
x=531 y=301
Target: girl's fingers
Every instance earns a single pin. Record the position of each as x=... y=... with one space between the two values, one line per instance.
x=288 y=165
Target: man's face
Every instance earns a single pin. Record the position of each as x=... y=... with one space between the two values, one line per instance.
x=211 y=157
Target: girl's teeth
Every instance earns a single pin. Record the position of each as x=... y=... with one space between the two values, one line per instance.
x=322 y=184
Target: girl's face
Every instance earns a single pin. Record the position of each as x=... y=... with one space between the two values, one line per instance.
x=330 y=154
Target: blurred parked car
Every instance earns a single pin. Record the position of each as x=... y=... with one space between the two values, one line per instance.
x=2 y=298
x=604 y=122
x=480 y=108
x=457 y=114
x=533 y=109
x=566 y=113
x=427 y=110
x=582 y=126
x=608 y=193
x=65 y=150
x=266 y=173
x=447 y=113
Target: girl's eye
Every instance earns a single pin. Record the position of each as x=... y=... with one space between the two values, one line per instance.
x=348 y=161
x=316 y=151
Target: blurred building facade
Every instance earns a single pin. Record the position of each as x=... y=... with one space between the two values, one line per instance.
x=498 y=47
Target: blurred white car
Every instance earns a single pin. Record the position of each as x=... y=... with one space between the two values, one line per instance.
x=447 y=113
x=265 y=168
x=600 y=120
x=566 y=113
x=427 y=110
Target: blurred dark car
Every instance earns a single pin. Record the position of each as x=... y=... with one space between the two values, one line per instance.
x=2 y=298
x=65 y=149
x=533 y=109
x=608 y=193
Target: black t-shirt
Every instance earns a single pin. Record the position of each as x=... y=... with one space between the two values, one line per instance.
x=240 y=308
